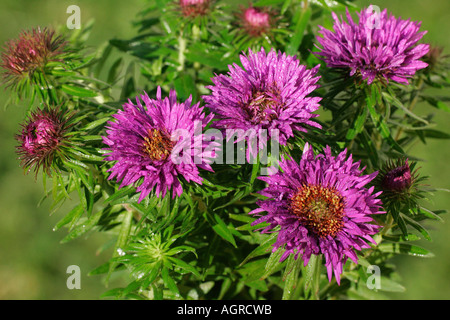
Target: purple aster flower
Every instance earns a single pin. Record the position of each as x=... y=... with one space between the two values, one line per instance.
x=157 y=144
x=269 y=92
x=43 y=138
x=378 y=47
x=321 y=206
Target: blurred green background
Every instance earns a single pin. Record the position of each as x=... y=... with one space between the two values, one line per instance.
x=33 y=263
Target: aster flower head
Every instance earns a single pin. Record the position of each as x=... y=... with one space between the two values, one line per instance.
x=320 y=205
x=156 y=144
x=194 y=8
x=42 y=138
x=270 y=92
x=379 y=46
x=30 y=52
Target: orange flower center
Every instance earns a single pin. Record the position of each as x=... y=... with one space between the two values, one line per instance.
x=157 y=145
x=320 y=209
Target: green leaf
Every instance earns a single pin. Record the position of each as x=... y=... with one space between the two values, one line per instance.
x=153 y=274
x=299 y=31
x=168 y=281
x=208 y=56
x=183 y=265
x=401 y=237
x=94 y=124
x=312 y=277
x=121 y=195
x=290 y=276
x=389 y=285
x=70 y=217
x=242 y=217
x=285 y=6
x=122 y=240
x=358 y=124
x=263 y=248
x=393 y=100
x=405 y=248
x=436 y=103
x=273 y=263
x=378 y=121
x=262 y=3
x=78 y=91
x=432 y=214
x=83 y=227
x=435 y=134
x=417 y=226
x=222 y=230
x=185 y=86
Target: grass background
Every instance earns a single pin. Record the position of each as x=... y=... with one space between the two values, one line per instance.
x=33 y=263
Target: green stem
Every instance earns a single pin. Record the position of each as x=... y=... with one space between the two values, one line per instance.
x=181 y=51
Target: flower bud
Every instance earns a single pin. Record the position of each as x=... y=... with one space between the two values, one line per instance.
x=398 y=179
x=399 y=183
x=41 y=138
x=194 y=8
x=255 y=21
x=29 y=53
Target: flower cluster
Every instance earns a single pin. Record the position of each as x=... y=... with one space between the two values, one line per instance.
x=155 y=165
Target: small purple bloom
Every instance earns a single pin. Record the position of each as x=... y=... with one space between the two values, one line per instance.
x=158 y=144
x=378 y=47
x=270 y=92
x=321 y=206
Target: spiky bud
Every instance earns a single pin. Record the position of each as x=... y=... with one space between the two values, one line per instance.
x=31 y=51
x=42 y=138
